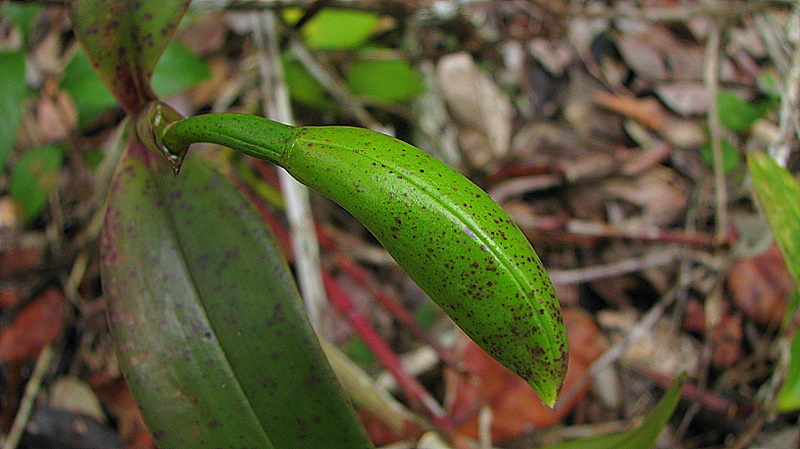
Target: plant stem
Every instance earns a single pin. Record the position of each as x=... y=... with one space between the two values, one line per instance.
x=269 y=140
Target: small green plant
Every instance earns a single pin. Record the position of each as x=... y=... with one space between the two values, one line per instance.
x=208 y=325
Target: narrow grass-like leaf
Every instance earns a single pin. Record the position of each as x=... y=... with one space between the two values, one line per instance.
x=210 y=330
x=779 y=195
x=642 y=437
x=124 y=39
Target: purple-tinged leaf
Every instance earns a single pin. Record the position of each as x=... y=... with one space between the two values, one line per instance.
x=124 y=39
x=210 y=330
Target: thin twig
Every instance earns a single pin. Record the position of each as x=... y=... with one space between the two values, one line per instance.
x=333 y=84
x=28 y=399
x=681 y=13
x=711 y=78
x=419 y=398
x=789 y=125
x=298 y=209
x=617 y=268
x=639 y=232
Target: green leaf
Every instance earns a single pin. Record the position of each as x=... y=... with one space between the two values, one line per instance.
x=779 y=195
x=12 y=91
x=731 y=158
x=90 y=95
x=303 y=87
x=210 y=330
x=642 y=437
x=33 y=178
x=789 y=394
x=124 y=39
x=737 y=114
x=389 y=80
x=339 y=29
x=178 y=70
x=21 y=15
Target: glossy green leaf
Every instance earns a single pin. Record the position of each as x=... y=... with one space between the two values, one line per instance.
x=737 y=114
x=642 y=437
x=779 y=195
x=452 y=239
x=34 y=177
x=124 y=39
x=12 y=91
x=389 y=80
x=210 y=330
x=339 y=29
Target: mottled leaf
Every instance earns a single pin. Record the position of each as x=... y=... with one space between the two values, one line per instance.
x=210 y=330
x=124 y=39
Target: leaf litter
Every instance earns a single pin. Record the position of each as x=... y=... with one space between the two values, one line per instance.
x=584 y=121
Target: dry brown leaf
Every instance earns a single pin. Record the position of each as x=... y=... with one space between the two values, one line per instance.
x=686 y=99
x=476 y=101
x=516 y=409
x=643 y=54
x=646 y=111
x=659 y=350
x=660 y=193
x=24 y=256
x=761 y=286
x=9 y=296
x=113 y=392
x=33 y=327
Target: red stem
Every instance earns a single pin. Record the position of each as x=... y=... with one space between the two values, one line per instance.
x=419 y=398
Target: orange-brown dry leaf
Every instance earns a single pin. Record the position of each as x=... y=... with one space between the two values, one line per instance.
x=515 y=407
x=761 y=286
x=648 y=112
x=115 y=395
x=382 y=435
x=33 y=328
